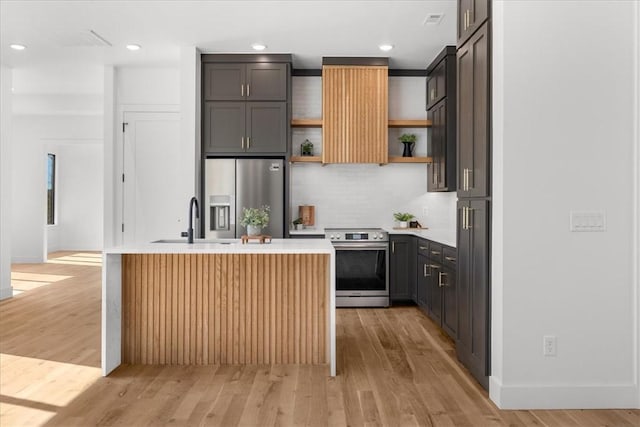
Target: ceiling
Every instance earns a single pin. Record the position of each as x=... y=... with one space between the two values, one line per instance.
x=59 y=31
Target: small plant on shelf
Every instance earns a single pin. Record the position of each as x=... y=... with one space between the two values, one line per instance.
x=409 y=141
x=408 y=137
x=298 y=224
x=306 y=148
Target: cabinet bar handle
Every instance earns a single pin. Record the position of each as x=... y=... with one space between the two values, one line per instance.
x=448 y=258
x=248 y=142
x=424 y=248
x=469 y=178
x=248 y=90
x=241 y=90
x=464 y=217
x=424 y=270
x=242 y=142
x=393 y=247
x=435 y=253
x=440 y=276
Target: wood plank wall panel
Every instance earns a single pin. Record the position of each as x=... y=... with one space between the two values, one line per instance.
x=195 y=309
x=355 y=114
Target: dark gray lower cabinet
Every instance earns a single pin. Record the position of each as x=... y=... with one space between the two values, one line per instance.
x=423 y=282
x=432 y=285
x=472 y=344
x=402 y=267
x=449 y=293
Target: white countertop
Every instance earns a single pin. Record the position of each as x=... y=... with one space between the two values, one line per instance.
x=229 y=246
x=444 y=236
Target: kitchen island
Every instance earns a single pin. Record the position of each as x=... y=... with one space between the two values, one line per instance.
x=219 y=303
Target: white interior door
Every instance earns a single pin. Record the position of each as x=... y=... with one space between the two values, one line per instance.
x=152 y=205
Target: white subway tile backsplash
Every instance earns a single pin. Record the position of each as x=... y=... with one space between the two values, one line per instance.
x=348 y=195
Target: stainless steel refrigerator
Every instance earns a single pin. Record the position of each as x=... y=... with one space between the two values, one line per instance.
x=233 y=184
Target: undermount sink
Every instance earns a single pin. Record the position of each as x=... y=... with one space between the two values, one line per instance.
x=209 y=241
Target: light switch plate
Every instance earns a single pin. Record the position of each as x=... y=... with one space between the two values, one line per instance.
x=587 y=221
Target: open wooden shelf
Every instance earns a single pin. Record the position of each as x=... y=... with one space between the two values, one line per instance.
x=305 y=159
x=410 y=159
x=306 y=123
x=317 y=123
x=410 y=123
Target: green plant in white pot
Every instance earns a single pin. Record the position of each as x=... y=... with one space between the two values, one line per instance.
x=255 y=219
x=403 y=218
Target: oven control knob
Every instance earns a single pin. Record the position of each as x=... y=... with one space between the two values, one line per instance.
x=338 y=236
x=332 y=237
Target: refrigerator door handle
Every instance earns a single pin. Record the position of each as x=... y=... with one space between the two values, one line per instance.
x=232 y=214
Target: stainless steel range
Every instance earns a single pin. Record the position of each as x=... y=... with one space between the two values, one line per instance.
x=362 y=266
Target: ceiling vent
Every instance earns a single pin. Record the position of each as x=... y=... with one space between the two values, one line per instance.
x=433 y=19
x=86 y=38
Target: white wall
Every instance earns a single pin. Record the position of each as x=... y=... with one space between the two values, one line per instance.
x=69 y=137
x=151 y=89
x=565 y=138
x=79 y=199
x=5 y=182
x=360 y=194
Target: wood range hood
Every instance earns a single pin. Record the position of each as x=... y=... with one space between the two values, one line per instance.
x=355 y=99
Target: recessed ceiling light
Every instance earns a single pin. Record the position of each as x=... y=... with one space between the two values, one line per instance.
x=258 y=46
x=18 y=46
x=133 y=46
x=386 y=47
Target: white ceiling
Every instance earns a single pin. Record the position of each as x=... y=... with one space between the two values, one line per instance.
x=58 y=31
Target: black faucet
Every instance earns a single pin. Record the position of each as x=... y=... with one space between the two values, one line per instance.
x=189 y=233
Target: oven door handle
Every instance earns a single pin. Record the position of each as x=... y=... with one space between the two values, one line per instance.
x=359 y=247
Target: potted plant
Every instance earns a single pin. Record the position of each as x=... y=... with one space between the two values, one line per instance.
x=403 y=218
x=298 y=224
x=255 y=219
x=306 y=148
x=409 y=141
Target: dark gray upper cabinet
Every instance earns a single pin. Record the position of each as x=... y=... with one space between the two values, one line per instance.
x=266 y=127
x=442 y=113
x=245 y=104
x=262 y=81
x=245 y=127
x=473 y=169
x=471 y=15
x=266 y=82
x=224 y=127
x=436 y=84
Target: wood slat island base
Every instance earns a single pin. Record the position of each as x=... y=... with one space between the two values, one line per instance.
x=182 y=309
x=219 y=304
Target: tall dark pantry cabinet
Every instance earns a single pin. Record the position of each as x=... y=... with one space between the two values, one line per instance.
x=473 y=63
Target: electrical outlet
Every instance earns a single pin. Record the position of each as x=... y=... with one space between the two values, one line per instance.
x=425 y=211
x=550 y=345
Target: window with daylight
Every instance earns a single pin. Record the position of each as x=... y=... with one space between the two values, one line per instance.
x=51 y=188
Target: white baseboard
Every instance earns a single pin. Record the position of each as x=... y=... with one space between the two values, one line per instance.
x=6 y=293
x=623 y=396
x=26 y=260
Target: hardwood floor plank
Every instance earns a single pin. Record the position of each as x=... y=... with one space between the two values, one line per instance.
x=395 y=366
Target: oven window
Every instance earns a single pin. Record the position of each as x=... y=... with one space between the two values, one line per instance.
x=360 y=270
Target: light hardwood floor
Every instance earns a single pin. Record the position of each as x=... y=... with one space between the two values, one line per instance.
x=394 y=368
